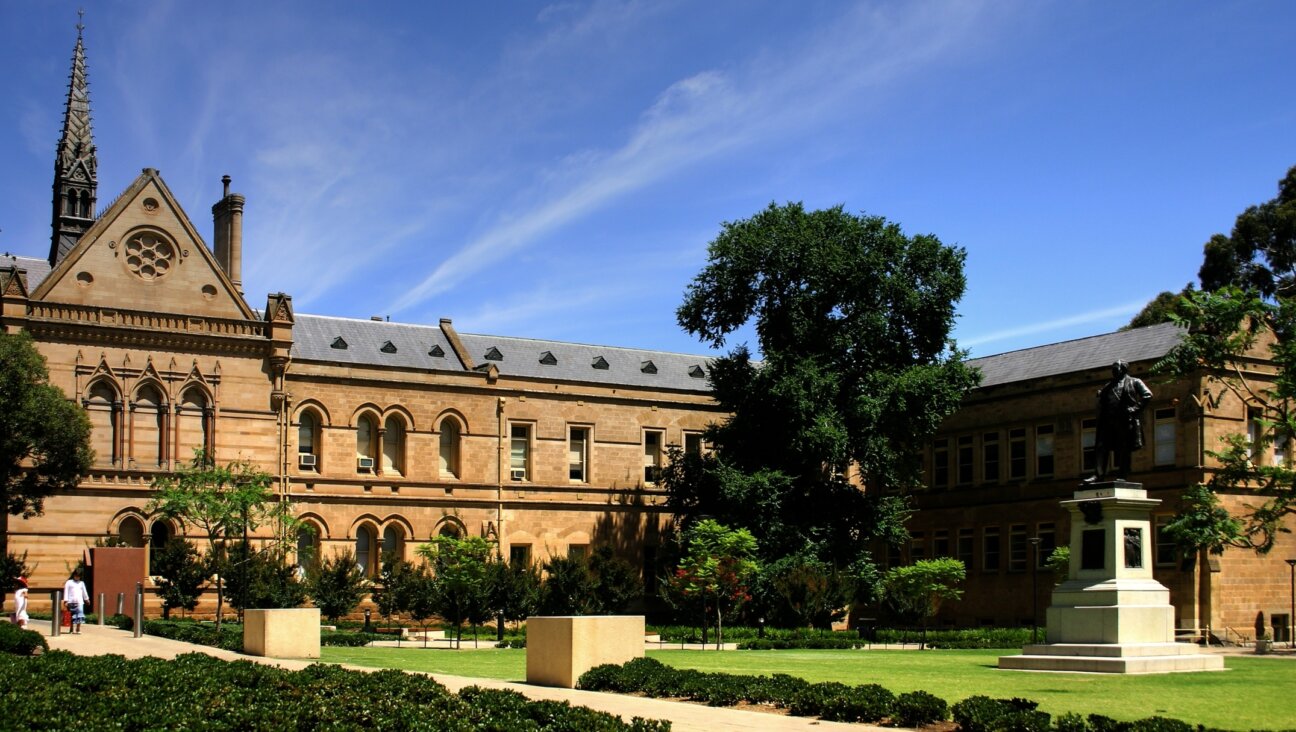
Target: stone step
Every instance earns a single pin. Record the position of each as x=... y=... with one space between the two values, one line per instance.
x=1110 y=665
x=1111 y=650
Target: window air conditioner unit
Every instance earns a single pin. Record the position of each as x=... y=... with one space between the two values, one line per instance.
x=364 y=463
x=305 y=460
x=518 y=473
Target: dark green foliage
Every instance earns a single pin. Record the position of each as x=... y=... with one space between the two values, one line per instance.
x=336 y=586
x=1070 y=722
x=983 y=714
x=121 y=622
x=19 y=642
x=196 y=690
x=348 y=639
x=1100 y=723
x=44 y=437
x=260 y=579
x=853 y=320
x=918 y=708
x=568 y=588
x=801 y=590
x=1160 y=724
x=616 y=582
x=959 y=639
x=514 y=590
x=800 y=644
x=12 y=566
x=1161 y=309
x=228 y=636
x=397 y=583
x=1260 y=253
x=182 y=574
x=840 y=703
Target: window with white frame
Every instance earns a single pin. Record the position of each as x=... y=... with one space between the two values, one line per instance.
x=1167 y=551
x=966 y=451
x=520 y=452
x=940 y=463
x=1017 y=548
x=307 y=440
x=990 y=457
x=578 y=440
x=1088 y=445
x=990 y=549
x=1047 y=534
x=1017 y=454
x=448 y=448
x=693 y=443
x=366 y=434
x=964 y=549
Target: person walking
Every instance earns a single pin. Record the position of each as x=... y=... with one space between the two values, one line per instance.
x=20 y=603
x=75 y=597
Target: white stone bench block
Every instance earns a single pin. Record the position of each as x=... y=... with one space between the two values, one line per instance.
x=290 y=633
x=561 y=648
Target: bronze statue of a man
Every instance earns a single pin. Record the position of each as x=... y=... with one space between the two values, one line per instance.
x=1120 y=424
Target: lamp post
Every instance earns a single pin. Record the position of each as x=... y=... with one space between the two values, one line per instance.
x=1035 y=545
x=1291 y=617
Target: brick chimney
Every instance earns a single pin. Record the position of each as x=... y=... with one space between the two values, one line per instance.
x=228 y=238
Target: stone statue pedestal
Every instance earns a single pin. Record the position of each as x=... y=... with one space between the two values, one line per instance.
x=1110 y=615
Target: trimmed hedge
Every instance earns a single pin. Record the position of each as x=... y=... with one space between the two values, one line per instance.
x=229 y=638
x=818 y=644
x=18 y=642
x=959 y=639
x=196 y=690
x=842 y=703
x=347 y=638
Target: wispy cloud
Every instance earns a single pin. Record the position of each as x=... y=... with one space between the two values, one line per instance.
x=1092 y=316
x=711 y=112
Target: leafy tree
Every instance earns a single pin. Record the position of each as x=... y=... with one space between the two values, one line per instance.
x=260 y=579
x=616 y=582
x=336 y=585
x=421 y=590
x=514 y=592
x=225 y=503
x=858 y=369
x=395 y=593
x=1160 y=309
x=1260 y=253
x=459 y=570
x=12 y=566
x=181 y=572
x=1059 y=563
x=44 y=437
x=718 y=566
x=801 y=590
x=920 y=588
x=568 y=588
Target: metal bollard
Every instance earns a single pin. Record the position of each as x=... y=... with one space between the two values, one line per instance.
x=121 y=603
x=139 y=609
x=56 y=623
x=102 y=609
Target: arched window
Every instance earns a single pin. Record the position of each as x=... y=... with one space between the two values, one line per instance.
x=308 y=441
x=104 y=411
x=85 y=204
x=308 y=543
x=365 y=551
x=131 y=532
x=393 y=542
x=160 y=534
x=451 y=529
x=365 y=434
x=70 y=208
x=394 y=445
x=148 y=415
x=449 y=452
x=195 y=417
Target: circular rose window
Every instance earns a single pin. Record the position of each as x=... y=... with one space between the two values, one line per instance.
x=149 y=255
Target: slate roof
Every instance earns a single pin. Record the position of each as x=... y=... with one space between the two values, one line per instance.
x=37 y=269
x=314 y=335
x=575 y=362
x=1082 y=354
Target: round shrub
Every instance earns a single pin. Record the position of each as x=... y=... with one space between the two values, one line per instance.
x=19 y=642
x=917 y=708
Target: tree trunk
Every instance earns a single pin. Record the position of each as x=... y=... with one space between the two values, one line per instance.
x=719 y=626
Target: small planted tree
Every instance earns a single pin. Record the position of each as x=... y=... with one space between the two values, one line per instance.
x=920 y=588
x=226 y=504
x=718 y=567
x=568 y=588
x=393 y=596
x=336 y=585
x=459 y=570
x=616 y=582
x=181 y=574
x=514 y=592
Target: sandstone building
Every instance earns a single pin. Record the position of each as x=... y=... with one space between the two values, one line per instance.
x=383 y=434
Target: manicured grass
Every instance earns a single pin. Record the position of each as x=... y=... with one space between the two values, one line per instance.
x=1254 y=693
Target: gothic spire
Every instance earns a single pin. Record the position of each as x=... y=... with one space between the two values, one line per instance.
x=75 y=162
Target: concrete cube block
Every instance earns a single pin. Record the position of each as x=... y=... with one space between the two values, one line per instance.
x=561 y=648
x=289 y=633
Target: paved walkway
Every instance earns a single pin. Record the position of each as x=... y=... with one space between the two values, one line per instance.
x=684 y=716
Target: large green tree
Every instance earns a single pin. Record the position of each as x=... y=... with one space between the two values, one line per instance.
x=920 y=588
x=44 y=438
x=857 y=369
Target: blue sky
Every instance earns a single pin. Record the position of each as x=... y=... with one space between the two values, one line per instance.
x=557 y=170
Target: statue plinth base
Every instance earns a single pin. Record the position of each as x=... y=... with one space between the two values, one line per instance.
x=1110 y=615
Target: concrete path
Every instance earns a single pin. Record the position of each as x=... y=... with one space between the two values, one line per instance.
x=684 y=716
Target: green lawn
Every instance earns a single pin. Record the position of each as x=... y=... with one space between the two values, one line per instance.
x=1252 y=694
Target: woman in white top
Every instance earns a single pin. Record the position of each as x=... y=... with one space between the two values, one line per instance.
x=20 y=603
x=74 y=598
